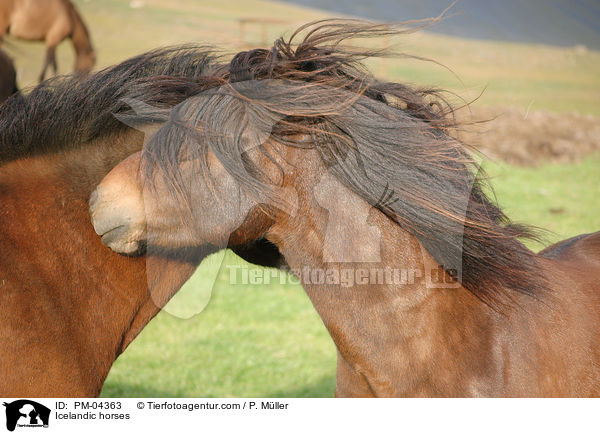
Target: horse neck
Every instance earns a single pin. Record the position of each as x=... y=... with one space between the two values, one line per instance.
x=386 y=334
x=57 y=265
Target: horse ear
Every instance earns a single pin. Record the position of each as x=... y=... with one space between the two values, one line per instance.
x=141 y=115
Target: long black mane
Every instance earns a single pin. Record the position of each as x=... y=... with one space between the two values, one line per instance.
x=388 y=142
x=66 y=112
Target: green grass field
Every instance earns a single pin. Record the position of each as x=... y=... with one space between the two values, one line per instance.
x=267 y=340
x=524 y=75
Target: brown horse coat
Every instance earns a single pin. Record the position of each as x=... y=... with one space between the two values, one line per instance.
x=68 y=305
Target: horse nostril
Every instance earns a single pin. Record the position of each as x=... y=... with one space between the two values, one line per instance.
x=113 y=234
x=121 y=237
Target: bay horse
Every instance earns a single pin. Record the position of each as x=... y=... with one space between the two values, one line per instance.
x=420 y=278
x=68 y=305
x=50 y=21
x=8 y=77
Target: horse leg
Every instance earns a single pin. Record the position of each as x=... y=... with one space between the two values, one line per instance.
x=3 y=29
x=53 y=64
x=50 y=59
x=59 y=31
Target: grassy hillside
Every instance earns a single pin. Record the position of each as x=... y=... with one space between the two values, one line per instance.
x=529 y=76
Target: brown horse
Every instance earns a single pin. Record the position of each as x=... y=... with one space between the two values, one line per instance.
x=419 y=277
x=68 y=305
x=8 y=77
x=50 y=21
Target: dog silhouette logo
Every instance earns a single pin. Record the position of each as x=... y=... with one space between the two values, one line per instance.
x=26 y=413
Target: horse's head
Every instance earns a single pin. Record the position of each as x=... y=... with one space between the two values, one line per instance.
x=207 y=177
x=85 y=61
x=130 y=212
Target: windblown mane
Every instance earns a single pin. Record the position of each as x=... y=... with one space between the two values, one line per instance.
x=388 y=142
x=66 y=112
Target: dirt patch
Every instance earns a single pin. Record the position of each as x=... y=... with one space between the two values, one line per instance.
x=530 y=138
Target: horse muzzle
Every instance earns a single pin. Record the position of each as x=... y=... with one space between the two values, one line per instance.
x=117 y=211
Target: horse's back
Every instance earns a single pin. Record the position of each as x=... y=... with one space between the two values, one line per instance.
x=572 y=324
x=574 y=264
x=33 y=19
x=582 y=247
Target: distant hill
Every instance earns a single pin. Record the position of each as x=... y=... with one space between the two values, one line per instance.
x=553 y=22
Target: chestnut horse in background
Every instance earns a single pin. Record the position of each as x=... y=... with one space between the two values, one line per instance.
x=419 y=277
x=50 y=21
x=68 y=305
x=8 y=77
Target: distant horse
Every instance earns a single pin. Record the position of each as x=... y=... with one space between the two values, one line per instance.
x=8 y=77
x=68 y=305
x=50 y=21
x=419 y=277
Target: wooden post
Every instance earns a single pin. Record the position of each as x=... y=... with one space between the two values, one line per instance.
x=242 y=25
x=264 y=33
x=264 y=30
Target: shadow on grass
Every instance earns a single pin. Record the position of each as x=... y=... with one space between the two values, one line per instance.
x=124 y=390
x=323 y=388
